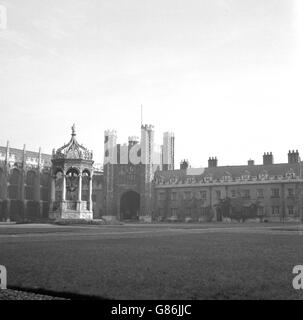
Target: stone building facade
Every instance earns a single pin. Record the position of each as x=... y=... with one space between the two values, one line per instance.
x=24 y=184
x=26 y=180
x=191 y=194
x=129 y=173
x=132 y=185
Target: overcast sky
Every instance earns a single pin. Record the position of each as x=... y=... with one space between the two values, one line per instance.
x=224 y=75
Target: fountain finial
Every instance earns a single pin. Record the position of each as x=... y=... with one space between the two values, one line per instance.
x=73 y=130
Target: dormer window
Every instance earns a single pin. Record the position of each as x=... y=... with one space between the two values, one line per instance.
x=263 y=175
x=208 y=179
x=245 y=175
x=227 y=176
x=290 y=174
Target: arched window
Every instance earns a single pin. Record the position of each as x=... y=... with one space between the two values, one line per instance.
x=85 y=185
x=58 y=185
x=30 y=185
x=72 y=184
x=2 y=182
x=44 y=179
x=30 y=178
x=15 y=180
x=44 y=186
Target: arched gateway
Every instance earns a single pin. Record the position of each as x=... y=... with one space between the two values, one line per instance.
x=130 y=206
x=72 y=166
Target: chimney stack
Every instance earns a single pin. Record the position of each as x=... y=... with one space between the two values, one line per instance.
x=212 y=162
x=251 y=162
x=184 y=165
x=268 y=158
x=293 y=156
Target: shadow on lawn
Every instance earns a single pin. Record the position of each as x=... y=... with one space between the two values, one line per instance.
x=56 y=294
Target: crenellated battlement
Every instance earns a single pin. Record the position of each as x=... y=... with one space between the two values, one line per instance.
x=148 y=127
x=110 y=132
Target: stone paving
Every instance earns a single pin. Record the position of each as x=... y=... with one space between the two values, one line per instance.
x=22 y=295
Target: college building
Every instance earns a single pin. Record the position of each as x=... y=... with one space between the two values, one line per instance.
x=195 y=194
x=138 y=182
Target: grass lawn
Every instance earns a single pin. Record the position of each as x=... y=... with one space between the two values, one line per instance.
x=127 y=262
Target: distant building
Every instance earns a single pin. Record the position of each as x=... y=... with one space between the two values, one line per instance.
x=129 y=173
x=168 y=151
x=136 y=183
x=25 y=186
x=191 y=194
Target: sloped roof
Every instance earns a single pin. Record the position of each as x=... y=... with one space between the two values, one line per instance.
x=280 y=169
x=16 y=155
x=255 y=170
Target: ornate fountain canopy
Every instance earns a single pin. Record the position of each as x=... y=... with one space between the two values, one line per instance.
x=73 y=150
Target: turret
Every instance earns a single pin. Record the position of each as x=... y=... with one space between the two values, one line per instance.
x=24 y=155
x=7 y=153
x=168 y=151
x=110 y=147
x=147 y=144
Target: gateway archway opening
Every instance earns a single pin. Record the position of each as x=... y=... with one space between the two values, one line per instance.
x=130 y=206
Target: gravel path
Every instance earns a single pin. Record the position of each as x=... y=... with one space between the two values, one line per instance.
x=22 y=295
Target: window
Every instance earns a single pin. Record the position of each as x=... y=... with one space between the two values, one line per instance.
x=260 y=211
x=291 y=210
x=227 y=178
x=291 y=193
x=290 y=174
x=275 y=210
x=187 y=195
x=245 y=177
x=208 y=179
x=162 y=196
x=275 y=193
x=29 y=193
x=204 y=211
x=246 y=194
x=260 y=193
x=218 y=194
x=203 y=195
x=263 y=175
x=174 y=212
x=173 y=196
x=233 y=193
x=188 y=212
